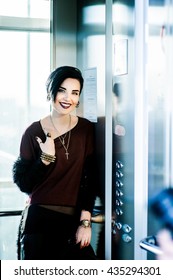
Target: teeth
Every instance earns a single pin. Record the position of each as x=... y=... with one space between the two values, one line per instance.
x=65 y=105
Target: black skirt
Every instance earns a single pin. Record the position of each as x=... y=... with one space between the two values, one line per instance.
x=49 y=235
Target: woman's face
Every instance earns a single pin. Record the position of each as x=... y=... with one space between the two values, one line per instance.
x=67 y=96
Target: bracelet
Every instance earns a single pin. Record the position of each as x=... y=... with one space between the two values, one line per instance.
x=85 y=223
x=47 y=157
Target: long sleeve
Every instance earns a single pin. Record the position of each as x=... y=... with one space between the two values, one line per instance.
x=27 y=173
x=61 y=182
x=28 y=170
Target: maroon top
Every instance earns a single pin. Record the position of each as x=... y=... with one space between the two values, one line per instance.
x=61 y=180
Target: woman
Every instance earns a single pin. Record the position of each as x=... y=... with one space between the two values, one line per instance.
x=56 y=168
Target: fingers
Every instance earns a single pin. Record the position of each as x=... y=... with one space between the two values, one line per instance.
x=48 y=135
x=47 y=145
x=83 y=236
x=83 y=240
x=38 y=140
x=84 y=243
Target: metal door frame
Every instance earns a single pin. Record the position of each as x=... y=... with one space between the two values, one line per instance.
x=140 y=130
x=108 y=131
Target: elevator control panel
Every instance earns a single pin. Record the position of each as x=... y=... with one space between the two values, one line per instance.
x=118 y=225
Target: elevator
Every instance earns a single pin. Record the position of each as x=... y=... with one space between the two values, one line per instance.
x=124 y=50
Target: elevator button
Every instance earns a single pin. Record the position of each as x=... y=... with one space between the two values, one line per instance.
x=118 y=164
x=118 y=225
x=119 y=193
x=118 y=202
x=119 y=184
x=126 y=228
x=126 y=238
x=119 y=212
x=119 y=174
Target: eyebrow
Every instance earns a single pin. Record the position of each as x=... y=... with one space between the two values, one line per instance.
x=72 y=90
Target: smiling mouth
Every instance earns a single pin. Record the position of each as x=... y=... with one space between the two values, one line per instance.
x=65 y=105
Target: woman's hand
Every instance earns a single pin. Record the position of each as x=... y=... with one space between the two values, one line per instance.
x=48 y=146
x=83 y=236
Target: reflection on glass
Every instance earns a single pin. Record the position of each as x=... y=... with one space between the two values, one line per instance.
x=157 y=110
x=25 y=8
x=22 y=88
x=94 y=14
x=24 y=67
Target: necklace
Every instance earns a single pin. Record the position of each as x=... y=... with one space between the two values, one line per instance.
x=61 y=138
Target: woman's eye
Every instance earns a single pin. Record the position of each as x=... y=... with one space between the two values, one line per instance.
x=76 y=93
x=61 y=90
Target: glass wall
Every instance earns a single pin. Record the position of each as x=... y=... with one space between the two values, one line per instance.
x=159 y=106
x=24 y=67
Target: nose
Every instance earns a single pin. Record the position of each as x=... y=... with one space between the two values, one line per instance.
x=67 y=95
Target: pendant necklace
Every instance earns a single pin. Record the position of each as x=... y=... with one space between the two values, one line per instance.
x=62 y=139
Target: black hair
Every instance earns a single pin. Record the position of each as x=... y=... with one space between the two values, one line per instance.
x=57 y=77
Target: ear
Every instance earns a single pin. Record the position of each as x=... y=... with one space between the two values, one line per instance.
x=77 y=105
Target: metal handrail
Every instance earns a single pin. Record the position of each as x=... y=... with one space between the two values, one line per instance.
x=10 y=213
x=97 y=215
x=150 y=244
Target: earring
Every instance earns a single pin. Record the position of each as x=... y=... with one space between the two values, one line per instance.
x=77 y=105
x=48 y=96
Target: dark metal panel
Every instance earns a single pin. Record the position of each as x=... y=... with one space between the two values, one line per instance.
x=64 y=28
x=123 y=130
x=91 y=53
